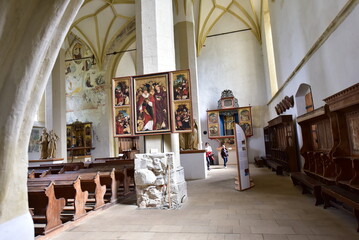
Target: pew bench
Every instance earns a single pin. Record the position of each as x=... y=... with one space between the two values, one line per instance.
x=259 y=161
x=341 y=195
x=90 y=182
x=309 y=185
x=68 y=188
x=107 y=180
x=278 y=168
x=45 y=207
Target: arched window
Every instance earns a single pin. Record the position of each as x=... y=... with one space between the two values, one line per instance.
x=304 y=99
x=270 y=50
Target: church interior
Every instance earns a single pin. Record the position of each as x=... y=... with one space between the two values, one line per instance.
x=116 y=114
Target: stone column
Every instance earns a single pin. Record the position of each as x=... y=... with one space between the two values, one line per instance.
x=31 y=44
x=155 y=49
x=185 y=46
x=156 y=53
x=59 y=105
x=55 y=105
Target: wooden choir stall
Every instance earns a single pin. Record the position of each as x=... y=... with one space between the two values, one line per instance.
x=331 y=152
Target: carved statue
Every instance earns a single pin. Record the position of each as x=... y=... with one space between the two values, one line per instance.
x=182 y=141
x=189 y=140
x=44 y=143
x=53 y=138
x=193 y=137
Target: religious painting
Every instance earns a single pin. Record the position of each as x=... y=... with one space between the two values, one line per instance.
x=77 y=52
x=182 y=116
x=122 y=124
x=247 y=128
x=213 y=117
x=353 y=125
x=151 y=104
x=34 y=146
x=121 y=91
x=213 y=130
x=181 y=85
x=245 y=120
x=244 y=115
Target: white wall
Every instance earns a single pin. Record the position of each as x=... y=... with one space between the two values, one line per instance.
x=333 y=67
x=296 y=25
x=233 y=61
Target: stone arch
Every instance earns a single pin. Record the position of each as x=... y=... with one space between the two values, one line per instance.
x=32 y=45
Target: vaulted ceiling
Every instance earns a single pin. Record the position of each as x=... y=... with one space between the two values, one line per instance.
x=247 y=12
x=99 y=22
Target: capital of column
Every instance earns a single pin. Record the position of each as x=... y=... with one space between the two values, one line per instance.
x=183 y=11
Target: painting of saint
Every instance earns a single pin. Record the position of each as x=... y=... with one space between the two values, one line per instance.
x=247 y=129
x=181 y=85
x=183 y=116
x=213 y=117
x=121 y=91
x=354 y=136
x=245 y=115
x=213 y=130
x=122 y=121
x=77 y=52
x=151 y=104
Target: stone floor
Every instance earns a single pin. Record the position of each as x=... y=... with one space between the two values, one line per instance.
x=273 y=209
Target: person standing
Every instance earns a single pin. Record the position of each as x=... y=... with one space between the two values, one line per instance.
x=209 y=154
x=224 y=155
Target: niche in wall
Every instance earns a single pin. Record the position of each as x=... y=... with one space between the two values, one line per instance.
x=304 y=99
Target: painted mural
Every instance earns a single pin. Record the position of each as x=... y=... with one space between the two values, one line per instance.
x=85 y=83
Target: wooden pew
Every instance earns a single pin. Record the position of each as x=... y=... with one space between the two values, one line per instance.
x=46 y=208
x=316 y=151
x=342 y=195
x=107 y=178
x=344 y=108
x=36 y=173
x=275 y=166
x=125 y=170
x=62 y=167
x=68 y=188
x=90 y=182
x=109 y=159
x=309 y=185
x=39 y=169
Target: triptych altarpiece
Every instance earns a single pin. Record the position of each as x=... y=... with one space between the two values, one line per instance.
x=152 y=104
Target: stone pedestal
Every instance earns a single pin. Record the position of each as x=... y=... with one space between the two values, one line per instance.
x=194 y=164
x=159 y=183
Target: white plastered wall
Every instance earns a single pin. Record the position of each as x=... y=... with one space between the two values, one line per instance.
x=233 y=61
x=296 y=25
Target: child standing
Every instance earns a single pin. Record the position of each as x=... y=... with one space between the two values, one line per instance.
x=224 y=155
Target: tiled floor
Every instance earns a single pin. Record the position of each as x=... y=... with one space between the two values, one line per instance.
x=273 y=209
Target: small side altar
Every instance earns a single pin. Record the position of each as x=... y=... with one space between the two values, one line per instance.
x=221 y=121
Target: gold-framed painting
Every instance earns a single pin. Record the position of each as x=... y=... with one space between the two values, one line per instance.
x=121 y=90
x=181 y=85
x=151 y=104
x=122 y=121
x=213 y=117
x=183 y=120
x=213 y=130
x=245 y=120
